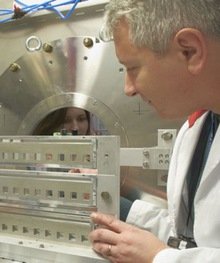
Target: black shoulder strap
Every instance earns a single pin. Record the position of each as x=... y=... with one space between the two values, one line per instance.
x=199 y=159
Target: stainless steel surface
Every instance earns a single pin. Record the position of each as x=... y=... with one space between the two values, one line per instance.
x=73 y=74
x=48 y=63
x=26 y=251
x=74 y=68
x=49 y=150
x=154 y=158
x=54 y=208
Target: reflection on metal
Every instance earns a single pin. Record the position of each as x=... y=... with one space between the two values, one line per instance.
x=68 y=65
x=50 y=152
x=88 y=42
x=47 y=48
x=155 y=158
x=53 y=208
x=14 y=67
x=33 y=43
x=62 y=78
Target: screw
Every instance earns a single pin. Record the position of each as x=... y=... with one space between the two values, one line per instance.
x=47 y=48
x=105 y=195
x=146 y=153
x=146 y=164
x=14 y=67
x=88 y=42
x=167 y=136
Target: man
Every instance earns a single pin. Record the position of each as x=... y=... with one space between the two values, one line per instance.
x=171 y=50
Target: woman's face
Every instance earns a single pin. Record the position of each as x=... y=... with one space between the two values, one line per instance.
x=76 y=119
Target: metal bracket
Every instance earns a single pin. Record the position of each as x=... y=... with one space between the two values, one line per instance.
x=50 y=210
x=157 y=157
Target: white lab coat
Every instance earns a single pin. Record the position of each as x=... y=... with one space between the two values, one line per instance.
x=163 y=222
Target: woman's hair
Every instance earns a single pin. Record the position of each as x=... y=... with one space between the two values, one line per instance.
x=153 y=23
x=89 y=132
x=54 y=122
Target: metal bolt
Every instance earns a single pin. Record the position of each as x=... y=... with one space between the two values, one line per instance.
x=105 y=195
x=47 y=48
x=146 y=164
x=14 y=67
x=88 y=42
x=167 y=136
x=146 y=153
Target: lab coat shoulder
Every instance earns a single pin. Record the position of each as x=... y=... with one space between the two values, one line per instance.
x=152 y=217
x=181 y=157
x=207 y=206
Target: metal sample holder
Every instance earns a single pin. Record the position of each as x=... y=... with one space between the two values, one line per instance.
x=44 y=208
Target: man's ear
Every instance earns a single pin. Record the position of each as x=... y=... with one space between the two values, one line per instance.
x=192 y=48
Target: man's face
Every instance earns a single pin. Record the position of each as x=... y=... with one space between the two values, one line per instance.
x=161 y=81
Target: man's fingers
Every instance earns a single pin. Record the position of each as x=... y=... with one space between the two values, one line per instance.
x=104 y=236
x=109 y=221
x=106 y=250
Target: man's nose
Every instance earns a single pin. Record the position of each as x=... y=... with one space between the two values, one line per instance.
x=129 y=88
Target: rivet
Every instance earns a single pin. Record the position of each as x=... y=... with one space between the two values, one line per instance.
x=146 y=164
x=146 y=153
x=167 y=136
x=14 y=67
x=47 y=48
x=105 y=195
x=88 y=42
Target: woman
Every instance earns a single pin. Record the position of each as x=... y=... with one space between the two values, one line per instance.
x=71 y=120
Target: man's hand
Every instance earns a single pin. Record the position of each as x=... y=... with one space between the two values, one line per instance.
x=123 y=243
